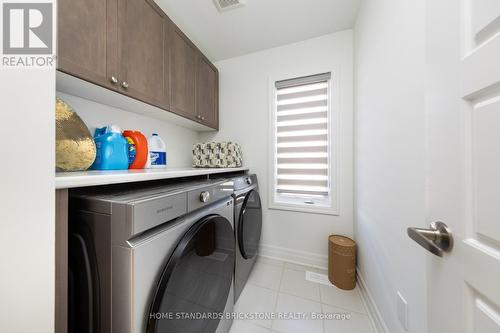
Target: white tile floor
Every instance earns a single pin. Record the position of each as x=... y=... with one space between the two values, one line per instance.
x=281 y=288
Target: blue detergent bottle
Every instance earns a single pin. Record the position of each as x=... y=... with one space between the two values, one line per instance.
x=112 y=149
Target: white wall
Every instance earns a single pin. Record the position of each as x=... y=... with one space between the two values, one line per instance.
x=27 y=227
x=244 y=118
x=179 y=140
x=390 y=147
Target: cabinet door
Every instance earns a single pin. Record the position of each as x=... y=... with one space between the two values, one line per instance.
x=207 y=91
x=182 y=74
x=87 y=32
x=142 y=51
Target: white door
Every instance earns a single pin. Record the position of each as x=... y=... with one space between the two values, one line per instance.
x=463 y=170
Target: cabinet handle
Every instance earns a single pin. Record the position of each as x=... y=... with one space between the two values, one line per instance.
x=198 y=116
x=125 y=84
x=113 y=80
x=202 y=118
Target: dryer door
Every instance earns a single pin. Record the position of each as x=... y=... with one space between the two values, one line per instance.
x=196 y=281
x=83 y=282
x=250 y=225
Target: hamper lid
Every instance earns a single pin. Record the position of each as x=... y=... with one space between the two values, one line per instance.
x=341 y=240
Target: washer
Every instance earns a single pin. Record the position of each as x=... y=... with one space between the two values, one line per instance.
x=248 y=226
x=152 y=260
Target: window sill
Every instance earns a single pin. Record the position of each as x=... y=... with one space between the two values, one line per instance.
x=302 y=209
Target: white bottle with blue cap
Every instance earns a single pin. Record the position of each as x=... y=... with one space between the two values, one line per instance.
x=157 y=152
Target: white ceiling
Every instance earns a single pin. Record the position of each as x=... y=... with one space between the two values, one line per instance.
x=260 y=24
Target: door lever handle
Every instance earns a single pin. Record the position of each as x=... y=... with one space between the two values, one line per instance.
x=437 y=239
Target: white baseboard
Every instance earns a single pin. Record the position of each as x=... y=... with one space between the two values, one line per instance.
x=293 y=256
x=374 y=313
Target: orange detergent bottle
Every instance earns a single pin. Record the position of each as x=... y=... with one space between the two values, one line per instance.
x=137 y=149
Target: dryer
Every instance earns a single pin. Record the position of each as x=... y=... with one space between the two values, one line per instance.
x=152 y=260
x=247 y=227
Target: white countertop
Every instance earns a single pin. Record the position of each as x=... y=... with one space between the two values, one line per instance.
x=95 y=177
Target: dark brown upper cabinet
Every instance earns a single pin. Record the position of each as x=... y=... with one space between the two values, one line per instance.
x=87 y=39
x=207 y=92
x=143 y=51
x=133 y=48
x=182 y=74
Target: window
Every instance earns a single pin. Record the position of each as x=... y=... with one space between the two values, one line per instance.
x=302 y=152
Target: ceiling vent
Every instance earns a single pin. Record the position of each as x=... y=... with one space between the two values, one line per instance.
x=223 y=5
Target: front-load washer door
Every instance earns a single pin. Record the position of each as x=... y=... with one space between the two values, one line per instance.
x=83 y=282
x=196 y=280
x=250 y=225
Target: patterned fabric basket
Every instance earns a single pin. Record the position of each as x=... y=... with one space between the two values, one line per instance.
x=217 y=155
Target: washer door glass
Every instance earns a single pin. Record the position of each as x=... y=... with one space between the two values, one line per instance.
x=250 y=225
x=196 y=281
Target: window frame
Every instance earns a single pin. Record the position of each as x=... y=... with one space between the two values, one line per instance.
x=334 y=145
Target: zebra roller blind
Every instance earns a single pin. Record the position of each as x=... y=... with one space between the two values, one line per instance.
x=302 y=138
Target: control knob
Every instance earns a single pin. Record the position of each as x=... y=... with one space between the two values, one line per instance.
x=204 y=196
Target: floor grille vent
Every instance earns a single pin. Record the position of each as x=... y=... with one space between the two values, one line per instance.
x=318 y=278
x=223 y=5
